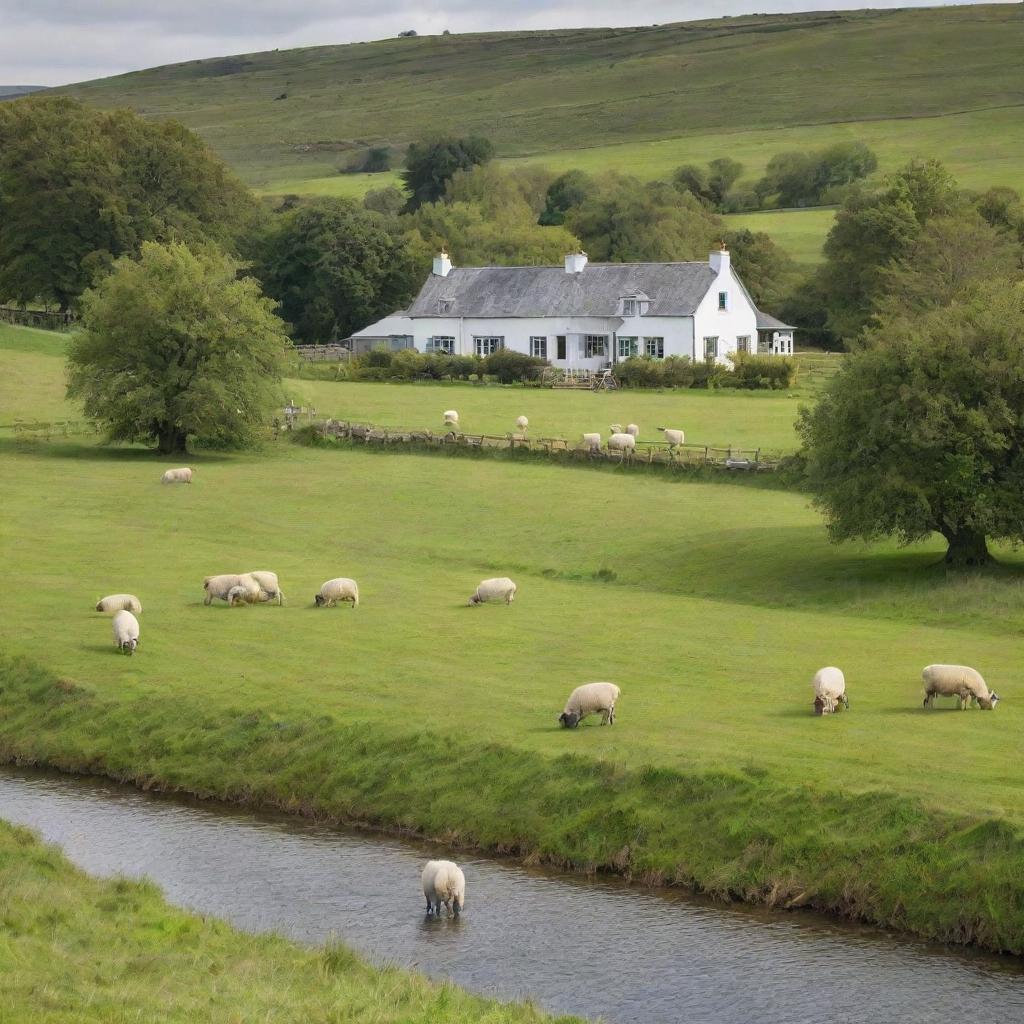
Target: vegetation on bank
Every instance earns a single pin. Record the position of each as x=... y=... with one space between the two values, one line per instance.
x=83 y=949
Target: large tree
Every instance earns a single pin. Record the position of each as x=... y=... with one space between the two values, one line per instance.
x=922 y=430
x=80 y=187
x=175 y=344
x=430 y=165
x=336 y=267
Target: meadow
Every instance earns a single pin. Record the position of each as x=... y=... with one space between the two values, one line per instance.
x=75 y=948
x=711 y=602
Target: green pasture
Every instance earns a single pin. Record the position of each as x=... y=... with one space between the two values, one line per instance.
x=32 y=376
x=800 y=233
x=75 y=948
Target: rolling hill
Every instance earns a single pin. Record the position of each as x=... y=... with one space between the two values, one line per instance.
x=942 y=82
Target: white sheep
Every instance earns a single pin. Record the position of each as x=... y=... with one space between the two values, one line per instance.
x=592 y=442
x=269 y=585
x=632 y=428
x=829 y=686
x=615 y=428
x=521 y=424
x=126 y=632
x=500 y=588
x=673 y=437
x=444 y=884
x=625 y=443
x=957 y=681
x=222 y=585
x=338 y=589
x=451 y=418
x=589 y=699
x=247 y=595
x=177 y=476
x=119 y=602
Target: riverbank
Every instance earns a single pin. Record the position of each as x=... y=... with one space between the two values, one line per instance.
x=76 y=947
x=877 y=857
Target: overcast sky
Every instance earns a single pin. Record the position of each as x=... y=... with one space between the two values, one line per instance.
x=53 y=42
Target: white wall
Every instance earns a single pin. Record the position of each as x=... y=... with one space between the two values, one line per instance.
x=738 y=319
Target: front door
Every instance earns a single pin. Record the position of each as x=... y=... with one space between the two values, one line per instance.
x=560 y=339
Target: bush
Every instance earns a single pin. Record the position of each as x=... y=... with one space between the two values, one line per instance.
x=640 y=372
x=407 y=364
x=754 y=371
x=509 y=366
x=377 y=357
x=678 y=372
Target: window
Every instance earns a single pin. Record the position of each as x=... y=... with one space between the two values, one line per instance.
x=594 y=346
x=629 y=307
x=539 y=346
x=485 y=346
x=654 y=347
x=711 y=348
x=627 y=347
x=441 y=343
x=445 y=305
x=723 y=300
x=743 y=343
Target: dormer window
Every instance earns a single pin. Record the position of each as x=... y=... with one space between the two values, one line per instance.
x=635 y=305
x=444 y=305
x=629 y=307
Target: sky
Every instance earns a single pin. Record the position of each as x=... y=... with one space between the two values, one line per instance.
x=55 y=42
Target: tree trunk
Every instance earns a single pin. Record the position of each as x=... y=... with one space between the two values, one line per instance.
x=171 y=440
x=967 y=549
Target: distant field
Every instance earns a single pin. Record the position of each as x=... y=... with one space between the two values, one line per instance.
x=800 y=233
x=32 y=376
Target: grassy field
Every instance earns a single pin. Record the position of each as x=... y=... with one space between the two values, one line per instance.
x=78 y=949
x=710 y=603
x=800 y=233
x=32 y=376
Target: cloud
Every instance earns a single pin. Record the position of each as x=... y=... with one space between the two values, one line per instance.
x=53 y=42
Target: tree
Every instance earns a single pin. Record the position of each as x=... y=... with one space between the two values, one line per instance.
x=565 y=193
x=693 y=179
x=429 y=165
x=335 y=267
x=923 y=430
x=801 y=178
x=176 y=345
x=80 y=187
x=722 y=175
x=766 y=271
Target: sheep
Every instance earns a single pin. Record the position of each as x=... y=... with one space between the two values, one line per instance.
x=451 y=418
x=615 y=428
x=221 y=586
x=957 y=681
x=632 y=428
x=625 y=443
x=247 y=595
x=119 y=602
x=444 y=884
x=589 y=699
x=269 y=584
x=499 y=588
x=339 y=589
x=521 y=424
x=592 y=442
x=673 y=437
x=177 y=476
x=126 y=632
x=829 y=686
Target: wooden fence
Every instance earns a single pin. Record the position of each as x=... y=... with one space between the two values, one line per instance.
x=646 y=452
x=46 y=319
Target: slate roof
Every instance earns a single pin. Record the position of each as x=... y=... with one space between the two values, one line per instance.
x=675 y=289
x=769 y=323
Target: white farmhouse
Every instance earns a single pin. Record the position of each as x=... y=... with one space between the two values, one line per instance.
x=584 y=315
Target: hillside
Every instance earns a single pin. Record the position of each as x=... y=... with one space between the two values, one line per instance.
x=10 y=92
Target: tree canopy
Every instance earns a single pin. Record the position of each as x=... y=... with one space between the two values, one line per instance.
x=430 y=165
x=80 y=187
x=176 y=345
x=801 y=178
x=923 y=430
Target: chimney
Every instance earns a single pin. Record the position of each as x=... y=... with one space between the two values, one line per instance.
x=575 y=262
x=719 y=260
x=442 y=264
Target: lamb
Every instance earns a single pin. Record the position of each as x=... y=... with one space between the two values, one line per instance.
x=177 y=476
x=444 y=884
x=622 y=443
x=592 y=441
x=957 y=681
x=829 y=690
x=119 y=602
x=247 y=595
x=339 y=589
x=451 y=418
x=674 y=437
x=499 y=588
x=126 y=632
x=269 y=584
x=632 y=428
x=589 y=699
x=521 y=424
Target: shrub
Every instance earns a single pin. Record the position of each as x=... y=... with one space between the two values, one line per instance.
x=407 y=364
x=678 y=372
x=509 y=366
x=755 y=371
x=640 y=372
x=377 y=357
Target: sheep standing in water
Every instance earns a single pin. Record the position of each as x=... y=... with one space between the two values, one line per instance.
x=444 y=884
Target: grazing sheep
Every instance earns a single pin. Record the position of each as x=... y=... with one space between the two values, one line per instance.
x=632 y=428
x=615 y=428
x=247 y=595
x=221 y=586
x=521 y=424
x=444 y=884
x=592 y=442
x=674 y=437
x=269 y=585
x=501 y=588
x=126 y=632
x=589 y=699
x=119 y=602
x=451 y=418
x=339 y=589
x=177 y=476
x=957 y=681
x=622 y=443
x=829 y=690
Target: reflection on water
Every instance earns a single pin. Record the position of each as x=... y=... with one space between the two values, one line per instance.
x=592 y=948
